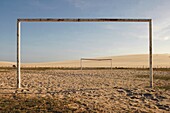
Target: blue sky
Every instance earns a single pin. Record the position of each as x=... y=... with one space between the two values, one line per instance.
x=44 y=42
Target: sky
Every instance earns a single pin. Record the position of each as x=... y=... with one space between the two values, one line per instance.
x=48 y=42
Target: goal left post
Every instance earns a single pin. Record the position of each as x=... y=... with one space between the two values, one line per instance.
x=18 y=54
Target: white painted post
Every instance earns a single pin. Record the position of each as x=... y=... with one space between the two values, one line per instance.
x=18 y=56
x=150 y=54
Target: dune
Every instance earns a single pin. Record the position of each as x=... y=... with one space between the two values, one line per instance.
x=7 y=64
x=137 y=60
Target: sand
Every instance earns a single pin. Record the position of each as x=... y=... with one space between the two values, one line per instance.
x=91 y=90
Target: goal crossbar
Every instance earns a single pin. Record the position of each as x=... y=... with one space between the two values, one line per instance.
x=83 y=20
x=94 y=59
x=20 y=20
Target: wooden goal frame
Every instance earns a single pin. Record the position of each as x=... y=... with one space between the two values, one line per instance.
x=19 y=21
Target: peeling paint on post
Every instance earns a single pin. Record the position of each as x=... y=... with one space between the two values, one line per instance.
x=150 y=54
x=18 y=56
x=83 y=20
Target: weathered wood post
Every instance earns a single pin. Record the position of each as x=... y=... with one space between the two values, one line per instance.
x=150 y=53
x=18 y=56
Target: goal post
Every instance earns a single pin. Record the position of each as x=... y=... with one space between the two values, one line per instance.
x=19 y=21
x=93 y=59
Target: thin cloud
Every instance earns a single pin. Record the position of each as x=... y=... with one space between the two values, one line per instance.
x=41 y=5
x=162 y=32
x=133 y=31
x=165 y=29
x=166 y=38
x=82 y=4
x=110 y=27
x=91 y=4
x=161 y=38
x=161 y=19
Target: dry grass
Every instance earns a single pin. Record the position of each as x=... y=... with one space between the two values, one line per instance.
x=17 y=103
x=160 y=77
x=166 y=87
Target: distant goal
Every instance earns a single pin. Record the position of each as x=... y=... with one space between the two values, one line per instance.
x=93 y=59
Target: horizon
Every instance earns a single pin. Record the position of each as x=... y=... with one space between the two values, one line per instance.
x=48 y=42
x=88 y=57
